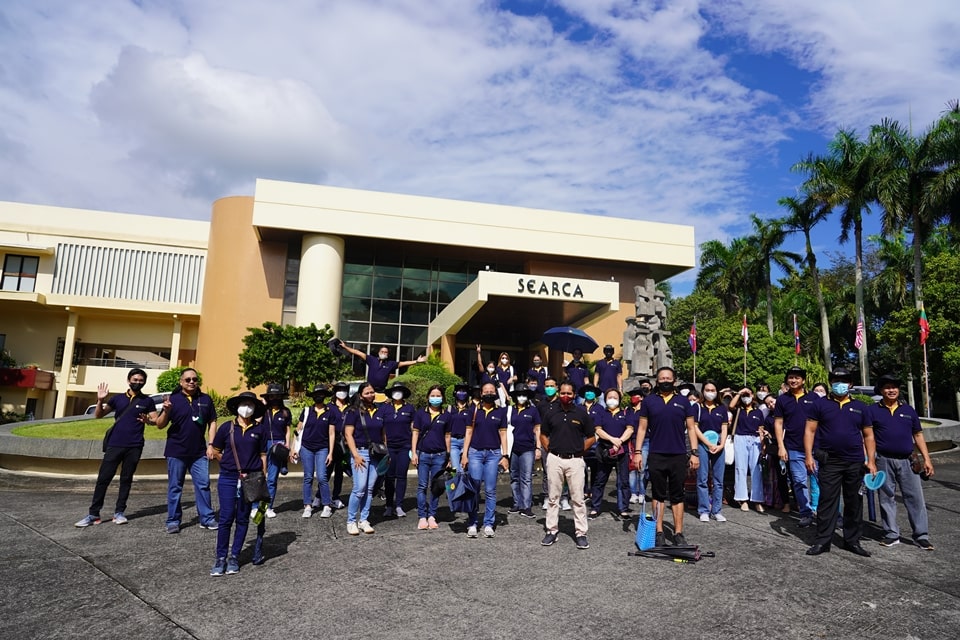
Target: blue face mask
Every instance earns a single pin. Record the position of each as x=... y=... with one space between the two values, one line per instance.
x=590 y=395
x=840 y=388
x=435 y=401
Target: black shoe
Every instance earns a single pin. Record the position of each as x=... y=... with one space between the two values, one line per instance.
x=513 y=510
x=805 y=522
x=593 y=515
x=582 y=542
x=549 y=539
x=258 y=552
x=527 y=513
x=924 y=544
x=857 y=549
x=659 y=540
x=679 y=540
x=817 y=549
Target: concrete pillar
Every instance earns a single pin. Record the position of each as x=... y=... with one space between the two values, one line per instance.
x=321 y=281
x=175 y=342
x=64 y=379
x=448 y=348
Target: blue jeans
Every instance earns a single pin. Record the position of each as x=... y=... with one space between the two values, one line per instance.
x=482 y=467
x=798 y=480
x=200 y=474
x=273 y=471
x=521 y=479
x=711 y=465
x=456 y=451
x=639 y=479
x=315 y=461
x=430 y=465
x=233 y=508
x=747 y=460
x=622 y=467
x=362 y=494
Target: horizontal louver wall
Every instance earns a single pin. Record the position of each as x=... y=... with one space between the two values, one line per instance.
x=128 y=274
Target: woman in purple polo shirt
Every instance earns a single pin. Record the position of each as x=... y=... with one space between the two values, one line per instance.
x=431 y=450
x=362 y=425
x=748 y=435
x=614 y=429
x=485 y=449
x=524 y=418
x=713 y=419
x=241 y=447
x=316 y=426
x=397 y=415
x=340 y=461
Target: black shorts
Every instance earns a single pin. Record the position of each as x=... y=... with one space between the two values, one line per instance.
x=667 y=472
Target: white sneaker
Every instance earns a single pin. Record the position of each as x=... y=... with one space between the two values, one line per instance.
x=546 y=503
x=472 y=531
x=353 y=529
x=704 y=517
x=401 y=513
x=488 y=532
x=315 y=503
x=253 y=513
x=327 y=512
x=337 y=504
x=365 y=527
x=565 y=505
x=634 y=498
x=307 y=511
x=719 y=517
x=271 y=513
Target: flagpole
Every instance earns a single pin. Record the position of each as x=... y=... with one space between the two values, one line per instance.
x=745 y=334
x=926 y=382
x=694 y=367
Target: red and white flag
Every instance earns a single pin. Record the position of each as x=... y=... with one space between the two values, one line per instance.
x=745 y=332
x=858 y=340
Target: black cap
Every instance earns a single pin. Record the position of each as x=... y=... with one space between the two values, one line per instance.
x=795 y=371
x=841 y=374
x=884 y=380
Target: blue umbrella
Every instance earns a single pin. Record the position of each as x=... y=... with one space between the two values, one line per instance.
x=569 y=339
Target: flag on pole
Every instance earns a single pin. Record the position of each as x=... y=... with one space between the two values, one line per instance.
x=924 y=326
x=858 y=340
x=692 y=339
x=796 y=335
x=745 y=332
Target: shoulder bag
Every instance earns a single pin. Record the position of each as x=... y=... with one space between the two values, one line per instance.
x=377 y=449
x=254 y=483
x=106 y=435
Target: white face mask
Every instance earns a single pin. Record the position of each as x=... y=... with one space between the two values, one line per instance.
x=245 y=411
x=822 y=394
x=490 y=369
x=612 y=403
x=761 y=395
x=342 y=395
x=746 y=400
x=684 y=392
x=504 y=361
x=710 y=396
x=384 y=356
x=397 y=395
x=521 y=399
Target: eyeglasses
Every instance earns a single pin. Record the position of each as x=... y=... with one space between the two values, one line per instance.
x=190 y=380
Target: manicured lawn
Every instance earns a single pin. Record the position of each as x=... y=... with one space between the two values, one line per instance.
x=79 y=430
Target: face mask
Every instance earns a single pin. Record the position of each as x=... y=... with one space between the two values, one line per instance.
x=710 y=396
x=532 y=386
x=746 y=400
x=608 y=354
x=761 y=395
x=490 y=369
x=245 y=411
x=397 y=395
x=683 y=392
x=566 y=400
x=342 y=395
x=693 y=401
x=521 y=399
x=536 y=363
x=489 y=398
x=840 y=388
x=665 y=387
x=550 y=391
x=822 y=394
x=384 y=356
x=645 y=391
x=635 y=400
x=435 y=401
x=590 y=395
x=136 y=386
x=460 y=395
x=504 y=361
x=612 y=403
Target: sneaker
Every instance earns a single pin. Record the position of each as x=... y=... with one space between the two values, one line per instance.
x=472 y=531
x=719 y=517
x=365 y=527
x=679 y=540
x=284 y=471
x=704 y=517
x=253 y=512
x=270 y=513
x=353 y=529
x=87 y=521
x=119 y=518
x=889 y=542
x=327 y=512
x=422 y=524
x=307 y=511
x=549 y=539
x=316 y=503
x=924 y=544
x=582 y=542
x=513 y=509
x=527 y=513
x=488 y=532
x=565 y=505
x=805 y=522
x=389 y=512
x=337 y=504
x=546 y=503
x=173 y=528
x=432 y=523
x=232 y=566
x=634 y=498
x=219 y=567
x=659 y=540
x=744 y=506
x=212 y=526
x=401 y=513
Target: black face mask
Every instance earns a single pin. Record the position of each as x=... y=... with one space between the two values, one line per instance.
x=644 y=391
x=136 y=386
x=608 y=354
x=489 y=397
x=664 y=387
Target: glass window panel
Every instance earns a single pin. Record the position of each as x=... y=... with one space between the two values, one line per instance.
x=392 y=267
x=355 y=309
x=288 y=318
x=290 y=295
x=386 y=288
x=354 y=331
x=30 y=264
x=386 y=311
x=416 y=313
x=9 y=283
x=387 y=334
x=413 y=335
x=355 y=286
x=447 y=291
x=422 y=272
x=416 y=290
x=27 y=283
x=358 y=268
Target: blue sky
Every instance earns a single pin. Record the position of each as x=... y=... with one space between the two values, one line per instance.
x=690 y=111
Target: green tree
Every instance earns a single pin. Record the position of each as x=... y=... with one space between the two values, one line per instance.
x=726 y=271
x=420 y=377
x=297 y=356
x=766 y=239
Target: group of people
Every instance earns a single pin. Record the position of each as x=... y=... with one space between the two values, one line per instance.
x=581 y=432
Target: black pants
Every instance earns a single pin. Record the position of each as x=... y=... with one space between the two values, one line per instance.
x=838 y=476
x=129 y=458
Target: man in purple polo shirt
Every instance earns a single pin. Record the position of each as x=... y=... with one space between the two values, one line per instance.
x=608 y=373
x=192 y=424
x=838 y=432
x=790 y=424
x=577 y=371
x=123 y=446
x=380 y=368
x=896 y=428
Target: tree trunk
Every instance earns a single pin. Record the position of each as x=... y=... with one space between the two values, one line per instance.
x=769 y=301
x=858 y=276
x=824 y=324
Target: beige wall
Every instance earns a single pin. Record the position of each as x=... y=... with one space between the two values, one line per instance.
x=243 y=288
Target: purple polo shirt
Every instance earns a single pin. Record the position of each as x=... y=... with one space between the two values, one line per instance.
x=374 y=425
x=524 y=421
x=432 y=430
x=540 y=374
x=503 y=374
x=378 y=371
x=578 y=374
x=794 y=412
x=666 y=422
x=749 y=422
x=251 y=442
x=127 y=428
x=398 y=423
x=840 y=427
x=187 y=428
x=486 y=431
x=276 y=421
x=712 y=418
x=894 y=430
x=614 y=424
x=462 y=419
x=608 y=371
x=316 y=427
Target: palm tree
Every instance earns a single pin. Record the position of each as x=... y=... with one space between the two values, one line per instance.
x=767 y=237
x=804 y=215
x=890 y=285
x=724 y=272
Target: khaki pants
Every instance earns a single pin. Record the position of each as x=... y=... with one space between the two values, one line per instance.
x=573 y=471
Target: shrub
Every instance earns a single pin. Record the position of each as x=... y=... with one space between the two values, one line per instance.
x=168 y=380
x=420 y=377
x=219 y=401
